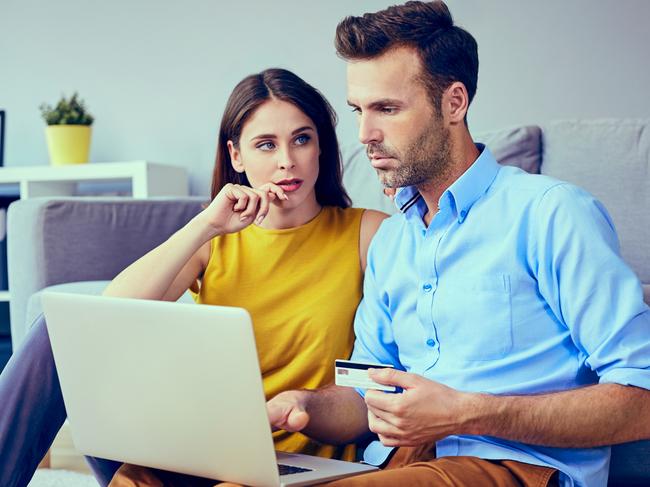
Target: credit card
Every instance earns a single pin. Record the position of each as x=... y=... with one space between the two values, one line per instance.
x=355 y=374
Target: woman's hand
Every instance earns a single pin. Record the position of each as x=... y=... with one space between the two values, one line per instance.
x=237 y=206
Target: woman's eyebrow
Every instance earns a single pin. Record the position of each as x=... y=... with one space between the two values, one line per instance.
x=273 y=136
x=264 y=136
x=302 y=129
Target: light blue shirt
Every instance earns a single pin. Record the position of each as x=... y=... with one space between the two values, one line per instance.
x=516 y=287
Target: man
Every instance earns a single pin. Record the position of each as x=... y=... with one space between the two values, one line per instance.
x=518 y=334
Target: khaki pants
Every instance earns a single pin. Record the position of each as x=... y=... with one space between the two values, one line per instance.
x=409 y=466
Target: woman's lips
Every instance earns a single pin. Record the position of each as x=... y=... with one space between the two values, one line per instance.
x=290 y=185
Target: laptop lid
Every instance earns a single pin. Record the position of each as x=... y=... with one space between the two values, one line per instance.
x=139 y=388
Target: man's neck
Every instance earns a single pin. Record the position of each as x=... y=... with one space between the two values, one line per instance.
x=462 y=158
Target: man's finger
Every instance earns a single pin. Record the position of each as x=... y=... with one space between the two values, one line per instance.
x=388 y=441
x=393 y=377
x=286 y=416
x=378 y=425
x=381 y=400
x=297 y=420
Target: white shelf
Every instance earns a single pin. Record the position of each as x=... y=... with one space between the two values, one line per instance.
x=147 y=178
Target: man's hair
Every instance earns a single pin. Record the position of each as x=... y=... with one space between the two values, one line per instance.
x=448 y=53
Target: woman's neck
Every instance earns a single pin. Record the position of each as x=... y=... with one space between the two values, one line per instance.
x=280 y=218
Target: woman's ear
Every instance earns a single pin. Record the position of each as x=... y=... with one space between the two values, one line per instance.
x=235 y=157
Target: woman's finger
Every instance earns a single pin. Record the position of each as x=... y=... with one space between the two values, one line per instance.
x=253 y=200
x=275 y=190
x=240 y=195
x=263 y=205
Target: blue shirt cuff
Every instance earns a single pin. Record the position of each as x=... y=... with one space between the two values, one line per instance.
x=627 y=376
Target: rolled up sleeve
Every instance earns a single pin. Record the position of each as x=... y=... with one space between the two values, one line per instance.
x=590 y=288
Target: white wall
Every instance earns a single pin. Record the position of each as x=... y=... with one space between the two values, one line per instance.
x=156 y=75
x=558 y=59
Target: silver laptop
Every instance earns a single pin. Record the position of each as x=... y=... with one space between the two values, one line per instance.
x=171 y=386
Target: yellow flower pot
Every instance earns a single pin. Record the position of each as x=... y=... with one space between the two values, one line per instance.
x=68 y=144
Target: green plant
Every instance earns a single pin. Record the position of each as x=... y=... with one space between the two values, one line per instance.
x=67 y=112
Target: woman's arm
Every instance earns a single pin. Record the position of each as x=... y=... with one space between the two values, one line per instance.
x=170 y=269
x=370 y=221
x=167 y=271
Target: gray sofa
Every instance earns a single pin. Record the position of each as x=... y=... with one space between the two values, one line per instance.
x=64 y=240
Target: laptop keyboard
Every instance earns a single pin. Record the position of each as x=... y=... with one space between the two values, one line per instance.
x=288 y=469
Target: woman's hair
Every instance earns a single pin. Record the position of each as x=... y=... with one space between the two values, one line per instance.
x=253 y=91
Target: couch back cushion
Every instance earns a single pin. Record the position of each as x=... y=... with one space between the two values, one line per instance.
x=517 y=146
x=611 y=159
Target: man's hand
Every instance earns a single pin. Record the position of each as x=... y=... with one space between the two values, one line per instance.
x=333 y=414
x=425 y=412
x=288 y=411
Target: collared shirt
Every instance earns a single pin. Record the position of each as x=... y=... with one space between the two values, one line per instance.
x=516 y=287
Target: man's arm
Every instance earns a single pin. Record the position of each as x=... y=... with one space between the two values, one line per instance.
x=602 y=414
x=426 y=411
x=334 y=415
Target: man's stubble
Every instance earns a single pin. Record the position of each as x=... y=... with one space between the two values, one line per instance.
x=426 y=159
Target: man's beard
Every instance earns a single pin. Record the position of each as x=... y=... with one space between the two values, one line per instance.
x=426 y=159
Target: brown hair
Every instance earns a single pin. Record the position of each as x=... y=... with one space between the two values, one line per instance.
x=448 y=53
x=253 y=91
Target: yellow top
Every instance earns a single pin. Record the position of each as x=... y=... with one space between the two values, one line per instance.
x=301 y=287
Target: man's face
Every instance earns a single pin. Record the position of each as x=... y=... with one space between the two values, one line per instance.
x=405 y=138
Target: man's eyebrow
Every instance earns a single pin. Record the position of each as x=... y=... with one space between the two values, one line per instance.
x=383 y=102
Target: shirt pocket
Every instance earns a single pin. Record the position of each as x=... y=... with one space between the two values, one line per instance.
x=474 y=317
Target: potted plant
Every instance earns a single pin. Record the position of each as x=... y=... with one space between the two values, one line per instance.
x=68 y=131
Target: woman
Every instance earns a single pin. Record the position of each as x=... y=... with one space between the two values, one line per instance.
x=278 y=239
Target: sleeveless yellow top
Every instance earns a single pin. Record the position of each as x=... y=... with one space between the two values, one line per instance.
x=301 y=287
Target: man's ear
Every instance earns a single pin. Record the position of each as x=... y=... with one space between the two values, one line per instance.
x=455 y=102
x=235 y=157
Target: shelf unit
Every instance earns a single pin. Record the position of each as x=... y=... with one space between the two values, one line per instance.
x=147 y=179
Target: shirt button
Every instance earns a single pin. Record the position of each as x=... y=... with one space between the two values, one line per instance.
x=427 y=288
x=431 y=342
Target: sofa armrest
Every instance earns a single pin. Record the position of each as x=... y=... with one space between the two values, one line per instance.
x=58 y=240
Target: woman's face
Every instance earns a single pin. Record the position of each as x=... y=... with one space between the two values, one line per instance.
x=279 y=144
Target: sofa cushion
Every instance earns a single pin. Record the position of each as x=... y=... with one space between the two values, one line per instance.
x=611 y=159
x=361 y=182
x=35 y=308
x=68 y=239
x=517 y=146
